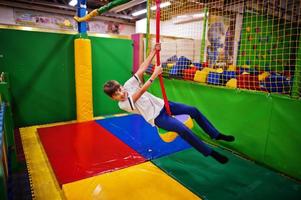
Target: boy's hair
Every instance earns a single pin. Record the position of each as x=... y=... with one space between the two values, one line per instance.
x=110 y=87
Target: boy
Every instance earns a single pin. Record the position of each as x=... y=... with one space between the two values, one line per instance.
x=133 y=97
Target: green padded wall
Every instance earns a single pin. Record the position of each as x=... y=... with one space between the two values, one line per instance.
x=266 y=126
x=41 y=72
x=112 y=59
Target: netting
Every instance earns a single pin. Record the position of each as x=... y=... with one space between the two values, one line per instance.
x=253 y=45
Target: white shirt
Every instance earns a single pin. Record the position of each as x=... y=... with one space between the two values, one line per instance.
x=148 y=105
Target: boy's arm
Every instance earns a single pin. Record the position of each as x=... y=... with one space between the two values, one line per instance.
x=158 y=70
x=143 y=67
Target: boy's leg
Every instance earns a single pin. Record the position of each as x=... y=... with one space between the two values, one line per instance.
x=203 y=122
x=171 y=124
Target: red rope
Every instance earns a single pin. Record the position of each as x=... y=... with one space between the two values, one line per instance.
x=158 y=57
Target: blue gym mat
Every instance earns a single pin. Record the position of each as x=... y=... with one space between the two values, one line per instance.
x=141 y=136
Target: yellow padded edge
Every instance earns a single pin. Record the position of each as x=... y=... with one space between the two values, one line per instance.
x=232 y=68
x=263 y=76
x=42 y=179
x=232 y=83
x=140 y=182
x=201 y=76
x=83 y=79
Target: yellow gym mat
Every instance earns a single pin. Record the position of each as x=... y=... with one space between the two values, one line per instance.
x=42 y=179
x=139 y=182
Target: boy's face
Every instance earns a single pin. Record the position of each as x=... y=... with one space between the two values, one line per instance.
x=120 y=94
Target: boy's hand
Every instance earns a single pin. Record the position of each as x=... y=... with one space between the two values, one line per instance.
x=158 y=47
x=157 y=71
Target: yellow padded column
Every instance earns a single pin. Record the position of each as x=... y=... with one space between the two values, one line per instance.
x=83 y=79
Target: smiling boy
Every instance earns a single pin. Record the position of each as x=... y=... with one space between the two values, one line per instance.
x=134 y=98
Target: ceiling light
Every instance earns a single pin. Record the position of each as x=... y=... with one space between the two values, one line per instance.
x=162 y=5
x=182 y=16
x=188 y=18
x=127 y=5
x=140 y=12
x=199 y=15
x=73 y=2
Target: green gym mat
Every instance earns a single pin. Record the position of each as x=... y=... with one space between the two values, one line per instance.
x=238 y=179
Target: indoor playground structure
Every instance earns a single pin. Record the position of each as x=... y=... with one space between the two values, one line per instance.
x=238 y=62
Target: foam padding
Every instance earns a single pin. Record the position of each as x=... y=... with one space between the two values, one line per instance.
x=248 y=81
x=214 y=78
x=263 y=76
x=140 y=182
x=232 y=68
x=227 y=75
x=42 y=178
x=189 y=73
x=236 y=180
x=82 y=150
x=232 y=83
x=83 y=79
x=141 y=136
x=201 y=75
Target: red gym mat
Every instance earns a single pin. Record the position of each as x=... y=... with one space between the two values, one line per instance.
x=81 y=150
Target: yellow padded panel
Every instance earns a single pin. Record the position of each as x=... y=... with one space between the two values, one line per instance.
x=168 y=136
x=140 y=182
x=201 y=76
x=170 y=65
x=232 y=68
x=263 y=76
x=219 y=70
x=83 y=79
x=232 y=83
x=42 y=179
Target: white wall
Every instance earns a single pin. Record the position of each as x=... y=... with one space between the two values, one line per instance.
x=184 y=39
x=188 y=30
x=141 y=26
x=193 y=30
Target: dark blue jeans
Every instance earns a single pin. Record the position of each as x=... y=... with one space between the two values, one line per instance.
x=170 y=123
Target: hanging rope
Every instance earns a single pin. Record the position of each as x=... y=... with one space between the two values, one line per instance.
x=158 y=57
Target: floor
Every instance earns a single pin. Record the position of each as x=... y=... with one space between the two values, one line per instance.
x=123 y=157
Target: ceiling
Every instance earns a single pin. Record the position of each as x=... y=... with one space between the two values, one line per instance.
x=122 y=13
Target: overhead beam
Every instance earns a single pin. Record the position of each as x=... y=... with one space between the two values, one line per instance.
x=38 y=3
x=111 y=14
x=127 y=5
x=70 y=12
